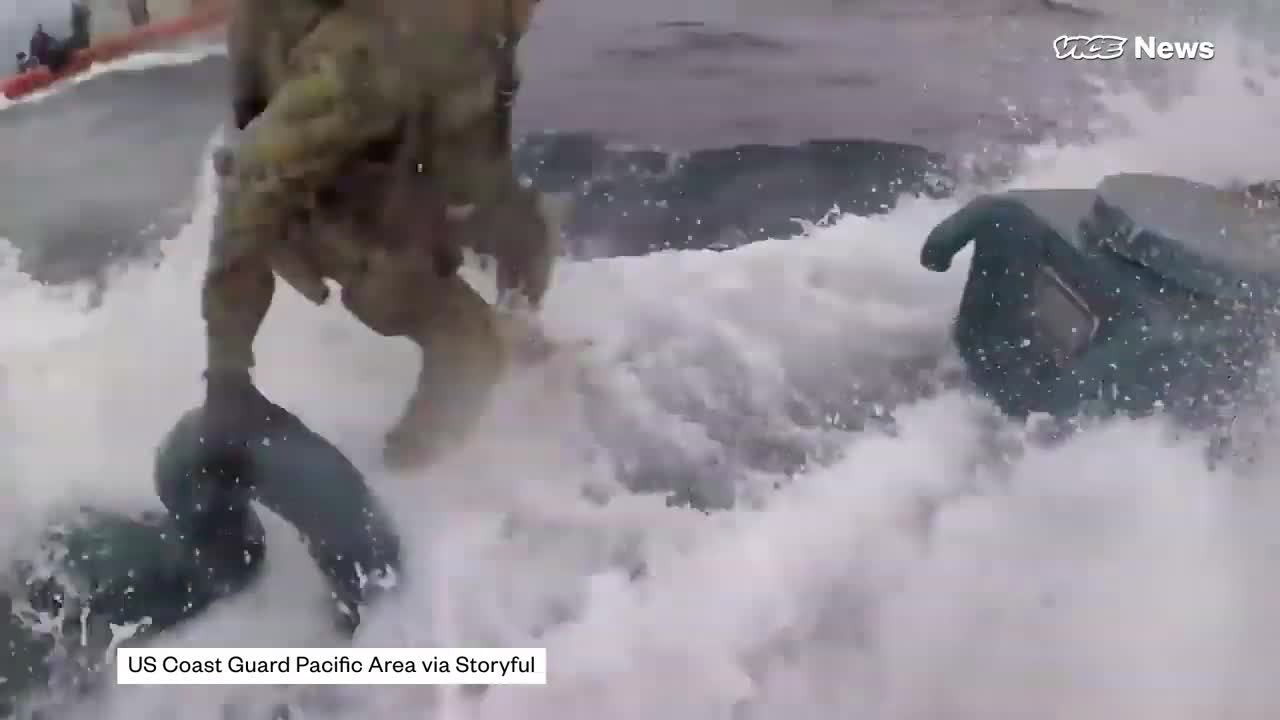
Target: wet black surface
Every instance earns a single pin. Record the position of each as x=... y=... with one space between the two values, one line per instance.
x=128 y=178
x=636 y=201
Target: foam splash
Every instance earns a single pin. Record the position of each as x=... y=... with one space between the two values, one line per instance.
x=1113 y=576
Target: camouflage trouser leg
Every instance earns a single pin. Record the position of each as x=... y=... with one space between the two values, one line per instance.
x=237 y=291
x=296 y=146
x=463 y=357
x=462 y=360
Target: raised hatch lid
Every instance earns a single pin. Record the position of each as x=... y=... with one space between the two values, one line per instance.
x=1206 y=239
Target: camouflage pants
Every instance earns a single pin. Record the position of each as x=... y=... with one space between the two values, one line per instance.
x=338 y=101
x=395 y=294
x=463 y=354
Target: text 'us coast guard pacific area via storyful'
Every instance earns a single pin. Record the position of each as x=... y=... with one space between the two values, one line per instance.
x=331 y=666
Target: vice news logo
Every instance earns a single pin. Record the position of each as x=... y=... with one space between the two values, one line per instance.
x=1112 y=47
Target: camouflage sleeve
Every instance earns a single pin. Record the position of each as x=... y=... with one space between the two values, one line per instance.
x=508 y=221
x=457 y=77
x=313 y=125
x=342 y=96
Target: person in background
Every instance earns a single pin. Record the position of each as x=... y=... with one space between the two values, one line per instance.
x=81 y=15
x=40 y=46
x=26 y=62
x=139 y=13
x=55 y=54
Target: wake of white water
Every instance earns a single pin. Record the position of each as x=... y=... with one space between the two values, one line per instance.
x=1112 y=576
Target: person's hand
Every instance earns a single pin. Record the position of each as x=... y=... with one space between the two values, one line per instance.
x=526 y=244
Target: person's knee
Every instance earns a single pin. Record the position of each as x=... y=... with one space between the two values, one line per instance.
x=459 y=374
x=462 y=347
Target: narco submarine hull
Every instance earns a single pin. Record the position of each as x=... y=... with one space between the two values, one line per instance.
x=1148 y=293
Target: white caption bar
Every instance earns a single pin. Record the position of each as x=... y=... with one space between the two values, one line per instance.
x=331 y=666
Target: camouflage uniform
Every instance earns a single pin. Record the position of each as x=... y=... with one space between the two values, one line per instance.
x=366 y=127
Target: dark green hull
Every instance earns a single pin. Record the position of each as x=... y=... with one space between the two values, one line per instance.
x=298 y=475
x=101 y=574
x=1111 y=301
